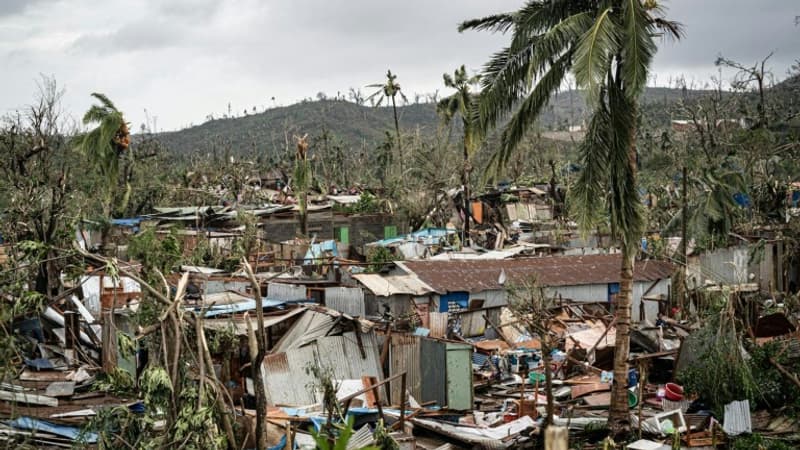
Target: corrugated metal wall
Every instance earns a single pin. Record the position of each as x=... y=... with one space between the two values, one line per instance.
x=405 y=356
x=434 y=372
x=285 y=291
x=724 y=265
x=286 y=379
x=438 y=324
x=347 y=300
x=583 y=293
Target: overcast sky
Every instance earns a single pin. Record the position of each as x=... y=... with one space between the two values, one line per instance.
x=184 y=59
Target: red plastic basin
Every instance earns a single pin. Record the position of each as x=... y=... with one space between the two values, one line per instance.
x=673 y=392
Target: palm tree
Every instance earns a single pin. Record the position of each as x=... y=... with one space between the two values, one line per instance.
x=105 y=144
x=608 y=45
x=302 y=180
x=462 y=103
x=390 y=90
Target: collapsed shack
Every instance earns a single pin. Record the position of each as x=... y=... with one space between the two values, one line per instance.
x=468 y=376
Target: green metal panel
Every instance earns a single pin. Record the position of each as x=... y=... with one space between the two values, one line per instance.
x=389 y=231
x=459 y=376
x=344 y=235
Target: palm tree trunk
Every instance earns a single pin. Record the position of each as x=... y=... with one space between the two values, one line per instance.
x=397 y=130
x=618 y=411
x=618 y=416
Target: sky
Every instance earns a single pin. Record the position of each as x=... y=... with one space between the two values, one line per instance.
x=171 y=63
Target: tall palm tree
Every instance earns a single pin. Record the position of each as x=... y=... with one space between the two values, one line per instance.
x=104 y=145
x=608 y=45
x=389 y=91
x=461 y=103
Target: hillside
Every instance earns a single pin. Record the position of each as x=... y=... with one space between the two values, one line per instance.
x=364 y=127
x=267 y=131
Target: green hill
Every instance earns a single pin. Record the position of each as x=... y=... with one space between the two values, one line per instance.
x=364 y=127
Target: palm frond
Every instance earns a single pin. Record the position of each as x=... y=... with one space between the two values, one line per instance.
x=497 y=23
x=589 y=192
x=538 y=16
x=105 y=101
x=594 y=53
x=638 y=47
x=625 y=206
x=508 y=75
x=528 y=111
x=670 y=29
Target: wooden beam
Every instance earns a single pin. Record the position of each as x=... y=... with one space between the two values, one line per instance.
x=31 y=399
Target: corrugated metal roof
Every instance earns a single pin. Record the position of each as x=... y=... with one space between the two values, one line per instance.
x=239 y=323
x=478 y=275
x=384 y=286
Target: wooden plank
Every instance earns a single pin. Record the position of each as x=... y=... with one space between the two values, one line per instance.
x=368 y=382
x=601 y=400
x=50 y=375
x=584 y=389
x=31 y=399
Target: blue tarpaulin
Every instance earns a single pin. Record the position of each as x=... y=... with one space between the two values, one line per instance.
x=27 y=423
x=247 y=305
x=428 y=236
x=319 y=250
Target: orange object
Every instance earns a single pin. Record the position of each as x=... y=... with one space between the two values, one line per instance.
x=477 y=211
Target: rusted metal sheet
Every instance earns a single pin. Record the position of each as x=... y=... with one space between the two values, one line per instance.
x=285 y=378
x=438 y=324
x=347 y=300
x=483 y=275
x=405 y=357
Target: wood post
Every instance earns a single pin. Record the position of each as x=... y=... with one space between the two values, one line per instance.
x=71 y=335
x=403 y=399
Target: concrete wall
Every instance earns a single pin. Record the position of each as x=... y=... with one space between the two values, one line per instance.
x=363 y=228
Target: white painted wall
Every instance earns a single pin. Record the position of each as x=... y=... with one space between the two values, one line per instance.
x=586 y=293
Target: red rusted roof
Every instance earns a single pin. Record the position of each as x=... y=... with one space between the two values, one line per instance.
x=483 y=275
